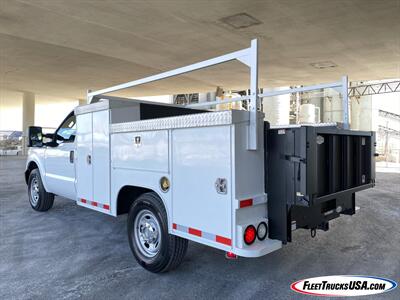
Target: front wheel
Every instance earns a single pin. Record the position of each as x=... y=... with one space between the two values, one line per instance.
x=39 y=198
x=153 y=247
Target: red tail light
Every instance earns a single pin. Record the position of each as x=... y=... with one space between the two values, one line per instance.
x=250 y=235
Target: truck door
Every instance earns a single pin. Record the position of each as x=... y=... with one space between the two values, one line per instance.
x=59 y=160
x=93 y=159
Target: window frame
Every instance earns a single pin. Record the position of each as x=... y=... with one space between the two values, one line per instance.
x=71 y=114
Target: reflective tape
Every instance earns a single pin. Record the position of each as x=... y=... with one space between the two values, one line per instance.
x=96 y=204
x=205 y=235
x=245 y=203
x=252 y=201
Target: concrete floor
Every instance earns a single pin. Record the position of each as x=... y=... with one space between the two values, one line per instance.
x=72 y=252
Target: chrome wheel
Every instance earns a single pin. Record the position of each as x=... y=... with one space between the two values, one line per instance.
x=34 y=192
x=147 y=233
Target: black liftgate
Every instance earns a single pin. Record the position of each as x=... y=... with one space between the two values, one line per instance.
x=312 y=174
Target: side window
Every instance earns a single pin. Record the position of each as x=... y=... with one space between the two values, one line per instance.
x=67 y=130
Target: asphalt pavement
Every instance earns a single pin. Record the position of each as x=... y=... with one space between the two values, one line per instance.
x=72 y=252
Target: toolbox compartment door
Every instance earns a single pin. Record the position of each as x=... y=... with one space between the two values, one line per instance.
x=84 y=178
x=93 y=159
x=101 y=157
x=200 y=157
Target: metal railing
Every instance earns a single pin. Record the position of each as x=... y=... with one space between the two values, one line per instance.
x=339 y=84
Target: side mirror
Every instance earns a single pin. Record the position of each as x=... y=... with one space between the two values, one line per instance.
x=35 y=136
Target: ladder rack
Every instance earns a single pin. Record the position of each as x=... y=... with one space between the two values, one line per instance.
x=249 y=57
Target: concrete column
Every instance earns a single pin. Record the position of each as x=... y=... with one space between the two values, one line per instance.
x=28 y=117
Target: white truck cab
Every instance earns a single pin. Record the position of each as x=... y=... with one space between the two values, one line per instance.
x=225 y=179
x=54 y=159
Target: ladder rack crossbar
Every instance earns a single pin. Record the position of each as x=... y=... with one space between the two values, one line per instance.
x=179 y=71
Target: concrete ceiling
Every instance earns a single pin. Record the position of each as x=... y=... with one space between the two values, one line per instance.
x=63 y=48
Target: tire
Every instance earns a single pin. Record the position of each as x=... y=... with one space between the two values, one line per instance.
x=39 y=198
x=155 y=249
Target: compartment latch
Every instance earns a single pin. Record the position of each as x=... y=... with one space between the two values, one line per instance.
x=295 y=159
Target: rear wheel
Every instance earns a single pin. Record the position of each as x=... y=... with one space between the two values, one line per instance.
x=39 y=198
x=153 y=247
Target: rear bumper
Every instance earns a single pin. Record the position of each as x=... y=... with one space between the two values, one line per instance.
x=259 y=248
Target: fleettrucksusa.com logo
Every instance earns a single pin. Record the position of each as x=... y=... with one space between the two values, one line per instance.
x=343 y=285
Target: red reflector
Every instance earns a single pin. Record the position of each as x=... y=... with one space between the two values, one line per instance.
x=250 y=235
x=230 y=255
x=174 y=226
x=223 y=240
x=94 y=203
x=245 y=203
x=195 y=231
x=83 y=200
x=105 y=206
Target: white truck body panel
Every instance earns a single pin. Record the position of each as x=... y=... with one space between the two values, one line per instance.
x=60 y=172
x=37 y=156
x=194 y=151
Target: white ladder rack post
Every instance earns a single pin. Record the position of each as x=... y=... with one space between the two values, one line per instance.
x=254 y=99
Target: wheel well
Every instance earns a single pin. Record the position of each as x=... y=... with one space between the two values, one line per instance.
x=31 y=166
x=127 y=195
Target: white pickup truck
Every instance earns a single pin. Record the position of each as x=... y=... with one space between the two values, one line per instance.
x=221 y=178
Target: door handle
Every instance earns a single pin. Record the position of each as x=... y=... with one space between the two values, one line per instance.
x=71 y=157
x=89 y=159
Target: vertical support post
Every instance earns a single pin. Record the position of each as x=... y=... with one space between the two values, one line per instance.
x=345 y=102
x=28 y=117
x=254 y=100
